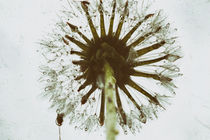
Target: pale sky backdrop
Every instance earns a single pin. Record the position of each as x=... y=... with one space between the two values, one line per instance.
x=24 y=115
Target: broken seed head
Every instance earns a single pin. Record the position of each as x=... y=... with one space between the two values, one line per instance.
x=127 y=42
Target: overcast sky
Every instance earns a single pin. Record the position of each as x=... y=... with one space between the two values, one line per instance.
x=24 y=115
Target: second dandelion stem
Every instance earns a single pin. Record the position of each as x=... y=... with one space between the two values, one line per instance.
x=111 y=117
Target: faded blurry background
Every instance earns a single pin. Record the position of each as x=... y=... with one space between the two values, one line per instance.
x=24 y=115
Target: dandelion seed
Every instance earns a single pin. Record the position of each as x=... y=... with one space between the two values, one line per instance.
x=91 y=34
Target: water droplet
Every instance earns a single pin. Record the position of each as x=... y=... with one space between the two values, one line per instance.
x=177 y=69
x=58 y=111
x=143 y=118
x=180 y=74
x=173 y=58
x=125 y=132
x=46 y=89
x=130 y=124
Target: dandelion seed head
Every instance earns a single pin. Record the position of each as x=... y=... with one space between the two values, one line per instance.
x=138 y=43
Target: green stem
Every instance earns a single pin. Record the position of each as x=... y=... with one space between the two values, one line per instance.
x=111 y=117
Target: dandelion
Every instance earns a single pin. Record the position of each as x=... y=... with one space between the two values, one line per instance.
x=99 y=41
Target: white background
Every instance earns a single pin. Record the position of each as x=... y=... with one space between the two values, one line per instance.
x=24 y=115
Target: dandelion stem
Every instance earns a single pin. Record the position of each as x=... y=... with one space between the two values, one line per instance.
x=111 y=117
x=59 y=129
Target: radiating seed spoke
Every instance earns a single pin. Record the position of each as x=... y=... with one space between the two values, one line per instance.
x=86 y=96
x=65 y=41
x=149 y=75
x=138 y=88
x=83 y=76
x=81 y=54
x=103 y=33
x=78 y=43
x=142 y=38
x=86 y=83
x=75 y=29
x=90 y=22
x=112 y=19
x=150 y=48
x=119 y=27
x=119 y=104
x=80 y=62
x=129 y=34
x=101 y=116
x=129 y=96
x=146 y=62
